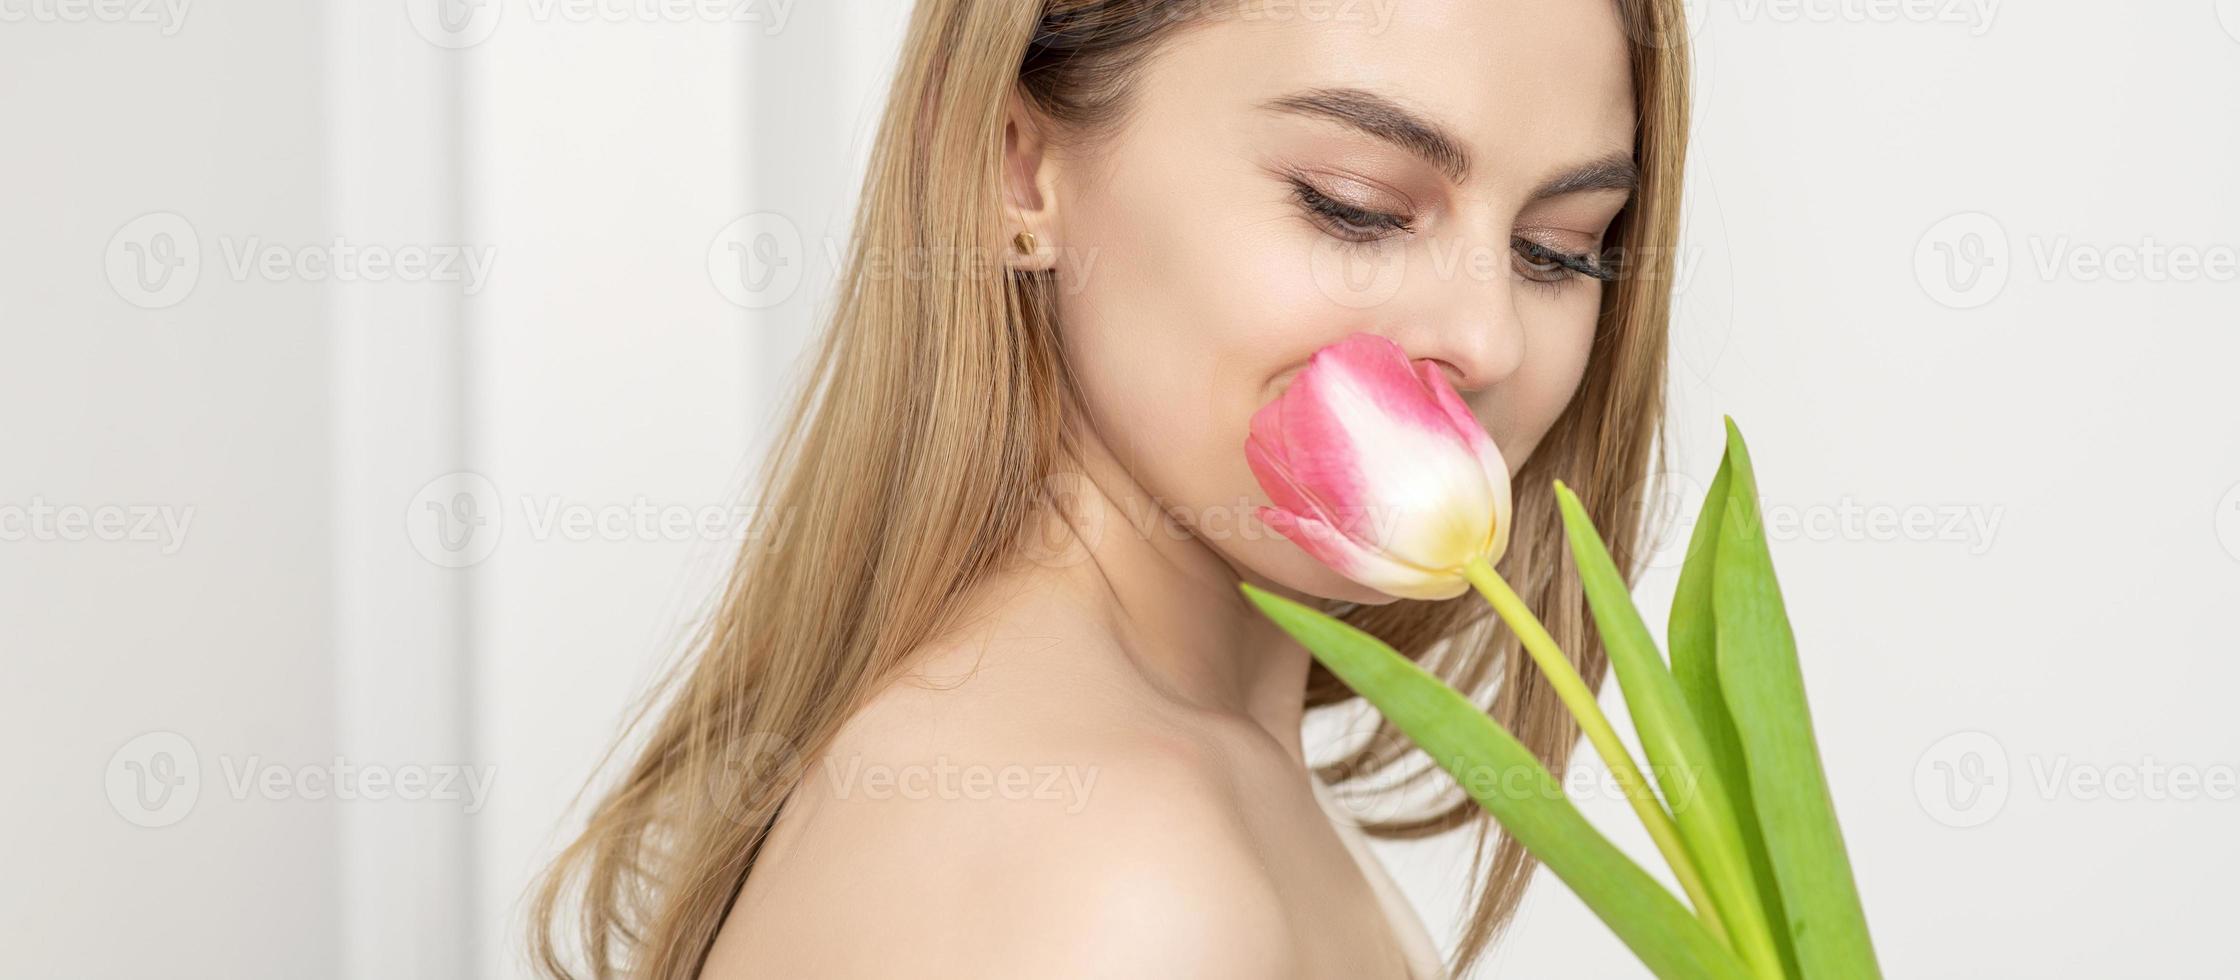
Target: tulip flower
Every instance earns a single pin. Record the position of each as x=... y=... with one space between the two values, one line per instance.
x=1378 y=469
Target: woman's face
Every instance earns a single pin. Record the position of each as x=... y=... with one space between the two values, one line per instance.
x=1293 y=173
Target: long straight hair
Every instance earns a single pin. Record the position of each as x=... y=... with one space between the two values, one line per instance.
x=914 y=455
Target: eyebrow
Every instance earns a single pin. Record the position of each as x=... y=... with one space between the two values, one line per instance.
x=1389 y=120
x=1616 y=172
x=1384 y=119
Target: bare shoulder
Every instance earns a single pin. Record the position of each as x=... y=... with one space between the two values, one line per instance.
x=1011 y=824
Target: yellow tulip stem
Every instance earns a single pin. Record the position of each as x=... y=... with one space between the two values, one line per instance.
x=1579 y=698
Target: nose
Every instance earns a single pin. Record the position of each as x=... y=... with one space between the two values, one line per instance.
x=1471 y=330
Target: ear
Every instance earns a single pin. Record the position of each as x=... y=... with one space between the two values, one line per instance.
x=1029 y=190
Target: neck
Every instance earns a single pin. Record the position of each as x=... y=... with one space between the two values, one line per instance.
x=1170 y=599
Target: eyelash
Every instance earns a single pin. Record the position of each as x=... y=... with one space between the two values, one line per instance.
x=1543 y=264
x=1544 y=260
x=1354 y=224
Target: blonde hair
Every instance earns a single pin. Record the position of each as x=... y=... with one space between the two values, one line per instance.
x=914 y=455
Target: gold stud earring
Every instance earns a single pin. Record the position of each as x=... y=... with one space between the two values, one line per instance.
x=1024 y=242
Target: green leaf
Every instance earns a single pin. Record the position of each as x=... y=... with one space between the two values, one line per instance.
x=1764 y=691
x=1678 y=754
x=1505 y=778
x=1692 y=630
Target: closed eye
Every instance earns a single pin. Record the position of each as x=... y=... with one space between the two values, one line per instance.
x=1543 y=263
x=1346 y=221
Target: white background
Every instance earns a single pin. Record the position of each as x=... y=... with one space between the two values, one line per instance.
x=2009 y=447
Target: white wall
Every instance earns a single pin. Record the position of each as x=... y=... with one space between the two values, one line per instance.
x=2078 y=421
x=610 y=364
x=209 y=414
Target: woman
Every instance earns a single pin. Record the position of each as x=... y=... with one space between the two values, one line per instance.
x=990 y=705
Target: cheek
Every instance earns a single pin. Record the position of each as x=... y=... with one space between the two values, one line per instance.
x=1177 y=333
x=1560 y=334
x=1164 y=342
x=1192 y=293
